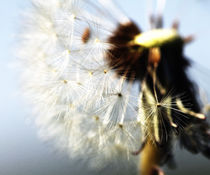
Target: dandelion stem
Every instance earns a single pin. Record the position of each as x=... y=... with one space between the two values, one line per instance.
x=150 y=159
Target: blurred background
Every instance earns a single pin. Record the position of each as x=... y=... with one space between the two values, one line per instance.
x=23 y=153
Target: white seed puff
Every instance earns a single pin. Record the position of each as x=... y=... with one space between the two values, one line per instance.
x=78 y=99
x=102 y=90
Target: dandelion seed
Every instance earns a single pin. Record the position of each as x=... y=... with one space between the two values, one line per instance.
x=86 y=35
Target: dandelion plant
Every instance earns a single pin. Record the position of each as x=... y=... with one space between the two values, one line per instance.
x=102 y=88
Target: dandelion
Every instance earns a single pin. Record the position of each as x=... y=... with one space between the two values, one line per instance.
x=102 y=88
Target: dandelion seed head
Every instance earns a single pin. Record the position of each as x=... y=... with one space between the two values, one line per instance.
x=78 y=99
x=99 y=86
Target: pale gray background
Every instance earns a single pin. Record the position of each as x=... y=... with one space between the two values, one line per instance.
x=22 y=153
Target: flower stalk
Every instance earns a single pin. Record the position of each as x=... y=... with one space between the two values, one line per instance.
x=150 y=158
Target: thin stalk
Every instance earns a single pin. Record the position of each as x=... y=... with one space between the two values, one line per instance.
x=150 y=158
